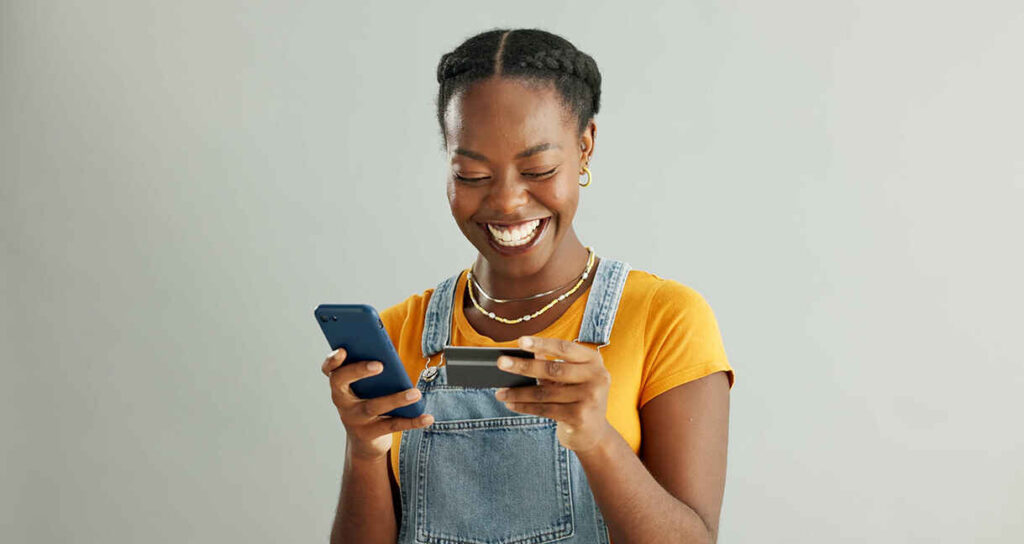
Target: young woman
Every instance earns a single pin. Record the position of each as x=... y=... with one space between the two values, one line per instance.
x=625 y=438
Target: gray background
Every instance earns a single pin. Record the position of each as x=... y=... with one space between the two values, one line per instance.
x=183 y=182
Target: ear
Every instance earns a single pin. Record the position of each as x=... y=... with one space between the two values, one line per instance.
x=587 y=140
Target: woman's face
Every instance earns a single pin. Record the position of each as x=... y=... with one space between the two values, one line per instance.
x=515 y=158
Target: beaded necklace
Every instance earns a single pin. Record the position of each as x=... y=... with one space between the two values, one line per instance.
x=563 y=296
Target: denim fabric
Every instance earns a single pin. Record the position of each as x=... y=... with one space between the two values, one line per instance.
x=483 y=474
x=603 y=302
x=436 y=323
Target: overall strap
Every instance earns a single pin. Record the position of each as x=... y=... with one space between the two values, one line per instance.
x=437 y=321
x=603 y=302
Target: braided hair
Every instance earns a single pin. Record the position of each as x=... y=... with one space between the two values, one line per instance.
x=534 y=55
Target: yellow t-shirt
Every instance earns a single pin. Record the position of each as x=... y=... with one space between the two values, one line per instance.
x=664 y=335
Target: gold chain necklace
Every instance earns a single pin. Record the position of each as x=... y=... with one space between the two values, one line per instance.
x=563 y=296
x=502 y=300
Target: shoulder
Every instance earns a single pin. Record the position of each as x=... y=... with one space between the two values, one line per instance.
x=669 y=312
x=662 y=297
x=406 y=313
x=404 y=320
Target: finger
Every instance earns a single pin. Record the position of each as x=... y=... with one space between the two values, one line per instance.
x=560 y=394
x=387 y=425
x=557 y=348
x=342 y=378
x=557 y=371
x=333 y=361
x=371 y=408
x=569 y=413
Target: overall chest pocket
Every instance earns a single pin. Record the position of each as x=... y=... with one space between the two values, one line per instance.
x=493 y=481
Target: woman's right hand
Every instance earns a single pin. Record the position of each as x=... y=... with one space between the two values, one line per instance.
x=368 y=431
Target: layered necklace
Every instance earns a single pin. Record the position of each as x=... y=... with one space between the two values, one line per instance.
x=563 y=296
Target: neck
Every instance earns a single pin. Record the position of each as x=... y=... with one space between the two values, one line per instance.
x=566 y=263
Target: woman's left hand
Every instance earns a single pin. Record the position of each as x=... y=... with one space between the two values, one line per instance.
x=573 y=389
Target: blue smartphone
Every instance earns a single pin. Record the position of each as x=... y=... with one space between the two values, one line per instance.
x=358 y=329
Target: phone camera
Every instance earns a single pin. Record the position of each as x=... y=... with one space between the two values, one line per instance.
x=334 y=318
x=323 y=318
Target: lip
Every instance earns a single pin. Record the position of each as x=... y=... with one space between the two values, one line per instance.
x=541 y=229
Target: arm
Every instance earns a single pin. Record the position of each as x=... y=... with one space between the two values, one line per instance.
x=396 y=493
x=365 y=508
x=675 y=493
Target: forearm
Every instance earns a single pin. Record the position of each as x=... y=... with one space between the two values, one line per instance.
x=635 y=506
x=365 y=513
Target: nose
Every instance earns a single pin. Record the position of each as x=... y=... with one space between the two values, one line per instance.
x=507 y=194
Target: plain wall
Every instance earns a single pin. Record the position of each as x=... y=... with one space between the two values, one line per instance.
x=183 y=182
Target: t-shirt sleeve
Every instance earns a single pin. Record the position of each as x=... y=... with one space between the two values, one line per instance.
x=393 y=318
x=682 y=339
x=404 y=325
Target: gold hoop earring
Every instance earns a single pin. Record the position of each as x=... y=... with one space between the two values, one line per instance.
x=589 y=177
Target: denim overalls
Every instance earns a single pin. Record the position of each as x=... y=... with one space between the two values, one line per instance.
x=483 y=474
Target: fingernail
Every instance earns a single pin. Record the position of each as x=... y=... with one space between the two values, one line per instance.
x=526 y=342
x=500 y=394
x=412 y=393
x=504 y=362
x=374 y=366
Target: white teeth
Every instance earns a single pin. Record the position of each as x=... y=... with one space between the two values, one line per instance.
x=515 y=236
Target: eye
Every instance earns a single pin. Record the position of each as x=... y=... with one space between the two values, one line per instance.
x=542 y=174
x=460 y=178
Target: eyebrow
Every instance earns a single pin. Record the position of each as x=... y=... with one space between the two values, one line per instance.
x=525 y=153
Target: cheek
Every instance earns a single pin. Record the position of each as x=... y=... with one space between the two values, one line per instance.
x=563 y=195
x=463 y=203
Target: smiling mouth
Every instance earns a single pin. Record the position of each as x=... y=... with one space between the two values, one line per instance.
x=516 y=235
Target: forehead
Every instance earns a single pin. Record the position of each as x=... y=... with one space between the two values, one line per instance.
x=506 y=115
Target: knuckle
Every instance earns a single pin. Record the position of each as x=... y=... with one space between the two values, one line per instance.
x=340 y=383
x=554 y=368
x=366 y=409
x=564 y=345
x=540 y=393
